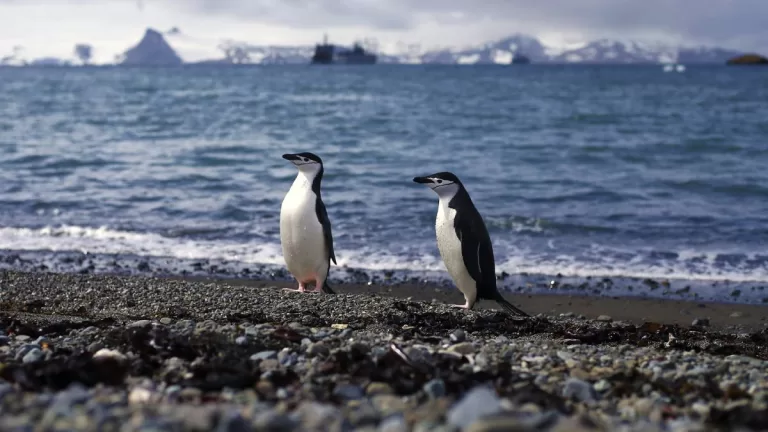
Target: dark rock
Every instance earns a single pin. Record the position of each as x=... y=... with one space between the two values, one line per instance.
x=152 y=50
x=748 y=59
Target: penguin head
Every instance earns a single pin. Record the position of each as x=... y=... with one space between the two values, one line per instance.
x=308 y=163
x=445 y=184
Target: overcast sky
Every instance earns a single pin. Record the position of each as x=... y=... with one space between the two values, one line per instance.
x=52 y=27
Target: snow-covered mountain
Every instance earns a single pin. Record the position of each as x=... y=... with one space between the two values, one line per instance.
x=503 y=51
x=175 y=45
x=600 y=51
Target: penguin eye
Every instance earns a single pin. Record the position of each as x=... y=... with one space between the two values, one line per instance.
x=439 y=181
x=305 y=159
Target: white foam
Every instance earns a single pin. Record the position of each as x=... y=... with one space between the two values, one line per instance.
x=597 y=261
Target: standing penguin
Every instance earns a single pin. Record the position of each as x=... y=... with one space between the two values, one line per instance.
x=305 y=231
x=464 y=243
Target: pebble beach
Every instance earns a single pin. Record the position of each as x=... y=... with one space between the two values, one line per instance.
x=98 y=352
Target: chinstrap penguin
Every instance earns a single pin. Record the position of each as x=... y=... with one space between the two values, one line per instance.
x=305 y=230
x=464 y=243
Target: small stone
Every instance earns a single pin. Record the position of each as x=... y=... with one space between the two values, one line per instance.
x=33 y=355
x=318 y=349
x=378 y=388
x=166 y=321
x=435 y=389
x=140 y=324
x=264 y=355
x=232 y=421
x=393 y=423
x=578 y=389
x=387 y=404
x=22 y=338
x=737 y=315
x=316 y=416
x=602 y=386
x=108 y=353
x=139 y=395
x=604 y=318
x=458 y=336
x=24 y=349
x=463 y=348
x=497 y=423
x=95 y=347
x=348 y=392
x=700 y=322
x=241 y=340
x=273 y=421
x=478 y=402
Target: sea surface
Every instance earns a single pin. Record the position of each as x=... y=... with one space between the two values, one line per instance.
x=589 y=172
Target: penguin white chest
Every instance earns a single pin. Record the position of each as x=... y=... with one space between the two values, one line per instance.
x=301 y=234
x=450 y=251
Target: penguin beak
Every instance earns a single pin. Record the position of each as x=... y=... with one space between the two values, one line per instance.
x=290 y=157
x=422 y=180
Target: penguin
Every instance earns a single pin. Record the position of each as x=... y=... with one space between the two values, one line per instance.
x=305 y=230
x=464 y=243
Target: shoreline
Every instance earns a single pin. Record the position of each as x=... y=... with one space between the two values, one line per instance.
x=700 y=291
x=139 y=297
x=79 y=350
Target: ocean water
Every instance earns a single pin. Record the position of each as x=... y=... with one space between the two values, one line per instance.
x=589 y=172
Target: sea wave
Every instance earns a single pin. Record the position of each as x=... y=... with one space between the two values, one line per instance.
x=597 y=261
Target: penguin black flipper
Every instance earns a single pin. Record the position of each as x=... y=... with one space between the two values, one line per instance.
x=477 y=254
x=322 y=216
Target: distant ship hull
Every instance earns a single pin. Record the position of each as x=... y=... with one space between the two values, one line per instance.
x=331 y=54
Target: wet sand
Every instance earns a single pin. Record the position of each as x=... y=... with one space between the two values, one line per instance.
x=733 y=317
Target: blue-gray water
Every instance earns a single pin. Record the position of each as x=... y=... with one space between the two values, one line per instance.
x=578 y=170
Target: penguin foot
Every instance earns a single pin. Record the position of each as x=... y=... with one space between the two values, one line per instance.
x=461 y=306
x=301 y=289
x=295 y=289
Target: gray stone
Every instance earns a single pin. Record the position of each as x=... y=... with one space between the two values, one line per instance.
x=604 y=318
x=22 y=338
x=273 y=421
x=140 y=323
x=24 y=349
x=462 y=348
x=232 y=421
x=435 y=388
x=393 y=423
x=166 y=321
x=478 y=402
x=318 y=349
x=264 y=355
x=458 y=336
x=241 y=340
x=579 y=390
x=314 y=416
x=348 y=392
x=35 y=354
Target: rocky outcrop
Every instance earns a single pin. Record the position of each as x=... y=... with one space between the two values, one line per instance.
x=748 y=59
x=153 y=50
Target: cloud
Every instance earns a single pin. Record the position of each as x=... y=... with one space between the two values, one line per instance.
x=711 y=21
x=53 y=27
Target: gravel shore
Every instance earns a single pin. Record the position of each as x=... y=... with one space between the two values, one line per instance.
x=85 y=352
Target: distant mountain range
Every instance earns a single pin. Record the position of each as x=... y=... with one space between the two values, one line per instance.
x=154 y=49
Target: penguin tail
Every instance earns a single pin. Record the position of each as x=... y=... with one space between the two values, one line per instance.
x=327 y=288
x=509 y=307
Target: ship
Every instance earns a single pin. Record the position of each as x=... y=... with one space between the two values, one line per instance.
x=326 y=53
